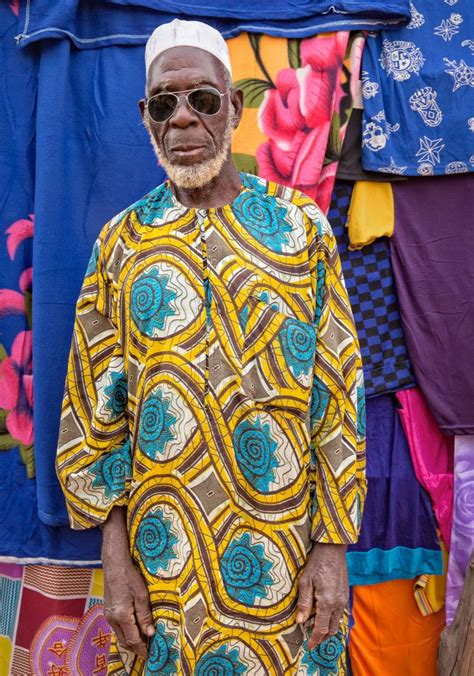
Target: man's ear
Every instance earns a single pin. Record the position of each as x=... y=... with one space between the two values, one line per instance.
x=237 y=101
x=141 y=105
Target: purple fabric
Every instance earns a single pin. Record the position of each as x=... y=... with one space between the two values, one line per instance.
x=462 y=535
x=433 y=264
x=398 y=537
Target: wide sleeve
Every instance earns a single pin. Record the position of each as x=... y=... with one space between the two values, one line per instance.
x=93 y=460
x=337 y=422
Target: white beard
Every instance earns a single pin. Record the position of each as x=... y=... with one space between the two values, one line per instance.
x=195 y=175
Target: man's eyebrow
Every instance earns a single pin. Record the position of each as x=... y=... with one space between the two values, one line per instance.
x=202 y=81
x=195 y=82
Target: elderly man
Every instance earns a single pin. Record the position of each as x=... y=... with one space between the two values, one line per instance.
x=213 y=419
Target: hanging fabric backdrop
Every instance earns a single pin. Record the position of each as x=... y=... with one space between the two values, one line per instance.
x=75 y=154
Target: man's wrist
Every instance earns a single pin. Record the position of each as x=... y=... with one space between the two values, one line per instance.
x=327 y=546
x=115 y=544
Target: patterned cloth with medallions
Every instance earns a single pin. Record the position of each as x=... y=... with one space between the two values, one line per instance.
x=215 y=388
x=418 y=90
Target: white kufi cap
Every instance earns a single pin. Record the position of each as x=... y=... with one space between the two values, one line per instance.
x=180 y=33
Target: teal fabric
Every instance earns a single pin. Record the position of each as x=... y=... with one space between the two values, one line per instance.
x=399 y=563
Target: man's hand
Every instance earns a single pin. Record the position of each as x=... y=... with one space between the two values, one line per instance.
x=324 y=583
x=126 y=599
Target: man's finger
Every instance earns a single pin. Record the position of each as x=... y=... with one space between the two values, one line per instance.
x=305 y=600
x=143 y=614
x=335 y=622
x=118 y=633
x=132 y=636
x=321 y=625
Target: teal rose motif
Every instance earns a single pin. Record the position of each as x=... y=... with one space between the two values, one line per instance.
x=154 y=430
x=320 y=396
x=163 y=655
x=111 y=471
x=151 y=302
x=323 y=660
x=252 y=182
x=117 y=394
x=298 y=342
x=255 y=453
x=154 y=205
x=220 y=662
x=263 y=218
x=245 y=570
x=156 y=541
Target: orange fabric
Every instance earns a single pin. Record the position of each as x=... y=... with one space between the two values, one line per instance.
x=391 y=636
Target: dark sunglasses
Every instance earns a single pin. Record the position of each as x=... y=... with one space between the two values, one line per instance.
x=204 y=100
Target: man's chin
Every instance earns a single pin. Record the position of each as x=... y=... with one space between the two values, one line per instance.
x=194 y=174
x=189 y=177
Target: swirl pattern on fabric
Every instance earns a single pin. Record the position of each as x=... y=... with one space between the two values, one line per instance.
x=245 y=570
x=151 y=302
x=255 y=453
x=156 y=542
x=163 y=657
x=155 y=423
x=199 y=335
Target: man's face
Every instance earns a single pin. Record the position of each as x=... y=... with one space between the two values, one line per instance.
x=191 y=147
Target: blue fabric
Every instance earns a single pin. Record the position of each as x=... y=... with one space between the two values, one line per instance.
x=398 y=537
x=94 y=23
x=418 y=88
x=22 y=535
x=399 y=563
x=371 y=288
x=95 y=159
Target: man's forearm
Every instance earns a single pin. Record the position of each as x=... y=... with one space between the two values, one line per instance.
x=126 y=599
x=114 y=535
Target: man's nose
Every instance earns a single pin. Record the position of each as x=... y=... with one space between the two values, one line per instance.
x=184 y=115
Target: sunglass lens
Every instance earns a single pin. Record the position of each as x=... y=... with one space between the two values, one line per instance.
x=162 y=106
x=205 y=101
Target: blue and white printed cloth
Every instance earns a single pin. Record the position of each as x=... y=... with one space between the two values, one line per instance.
x=418 y=89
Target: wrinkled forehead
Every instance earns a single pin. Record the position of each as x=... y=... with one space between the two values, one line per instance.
x=181 y=68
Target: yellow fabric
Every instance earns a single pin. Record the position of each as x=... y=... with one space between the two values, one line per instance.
x=97 y=586
x=430 y=590
x=5 y=655
x=199 y=335
x=371 y=213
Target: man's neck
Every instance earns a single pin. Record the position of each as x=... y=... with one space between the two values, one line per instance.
x=220 y=191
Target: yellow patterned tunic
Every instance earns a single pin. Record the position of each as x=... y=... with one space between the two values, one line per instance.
x=215 y=389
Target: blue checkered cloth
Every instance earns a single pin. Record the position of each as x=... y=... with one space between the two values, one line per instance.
x=370 y=284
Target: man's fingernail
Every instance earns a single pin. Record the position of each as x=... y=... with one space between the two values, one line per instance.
x=150 y=631
x=299 y=617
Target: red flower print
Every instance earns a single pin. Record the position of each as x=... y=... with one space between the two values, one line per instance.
x=16 y=389
x=326 y=185
x=296 y=115
x=11 y=303
x=26 y=280
x=15 y=6
x=18 y=232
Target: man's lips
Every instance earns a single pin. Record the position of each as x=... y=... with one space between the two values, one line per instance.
x=187 y=153
x=186 y=148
